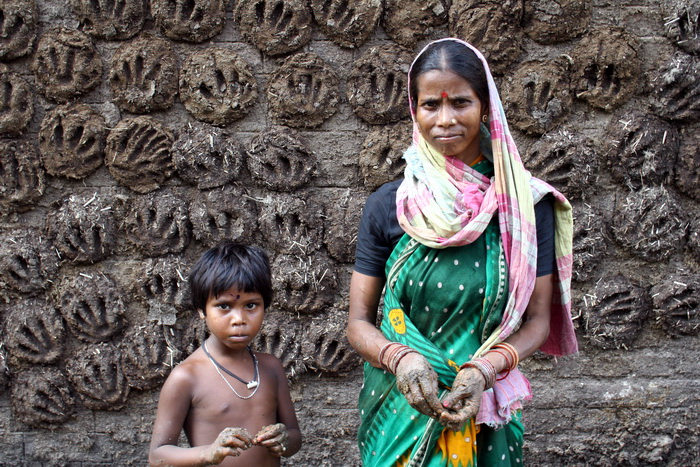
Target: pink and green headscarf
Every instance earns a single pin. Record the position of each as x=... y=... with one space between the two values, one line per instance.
x=443 y=202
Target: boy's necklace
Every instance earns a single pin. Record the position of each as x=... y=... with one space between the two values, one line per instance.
x=253 y=384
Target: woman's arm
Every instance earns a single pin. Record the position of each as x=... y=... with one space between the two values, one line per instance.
x=534 y=329
x=173 y=407
x=415 y=378
x=362 y=332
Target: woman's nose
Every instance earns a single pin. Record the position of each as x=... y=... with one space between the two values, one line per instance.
x=446 y=115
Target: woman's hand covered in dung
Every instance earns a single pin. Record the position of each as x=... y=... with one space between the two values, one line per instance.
x=464 y=400
x=273 y=437
x=418 y=382
x=230 y=442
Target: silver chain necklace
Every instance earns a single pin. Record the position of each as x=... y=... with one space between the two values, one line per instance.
x=254 y=384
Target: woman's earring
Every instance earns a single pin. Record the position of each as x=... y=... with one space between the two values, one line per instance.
x=485 y=118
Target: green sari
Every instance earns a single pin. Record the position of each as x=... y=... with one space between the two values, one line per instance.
x=444 y=303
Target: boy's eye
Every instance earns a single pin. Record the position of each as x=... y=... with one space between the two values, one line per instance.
x=251 y=306
x=223 y=306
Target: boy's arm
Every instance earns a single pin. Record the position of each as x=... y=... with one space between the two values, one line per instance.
x=285 y=413
x=173 y=407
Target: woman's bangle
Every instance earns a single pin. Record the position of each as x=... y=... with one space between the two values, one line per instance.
x=391 y=354
x=380 y=357
x=512 y=351
x=506 y=356
x=400 y=356
x=485 y=367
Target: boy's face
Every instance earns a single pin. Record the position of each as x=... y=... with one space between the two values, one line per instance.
x=235 y=317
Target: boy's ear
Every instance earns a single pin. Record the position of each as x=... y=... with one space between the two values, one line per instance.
x=201 y=313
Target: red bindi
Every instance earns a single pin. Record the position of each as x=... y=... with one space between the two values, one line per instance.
x=444 y=95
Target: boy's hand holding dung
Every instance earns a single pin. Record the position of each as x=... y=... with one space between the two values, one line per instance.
x=273 y=437
x=230 y=442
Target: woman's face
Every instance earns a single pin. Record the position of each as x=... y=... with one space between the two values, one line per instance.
x=448 y=114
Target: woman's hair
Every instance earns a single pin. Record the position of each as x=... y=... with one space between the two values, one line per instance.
x=227 y=265
x=450 y=56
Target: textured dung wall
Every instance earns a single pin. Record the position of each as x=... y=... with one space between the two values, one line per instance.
x=134 y=135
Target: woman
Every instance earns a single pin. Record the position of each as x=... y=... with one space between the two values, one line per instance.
x=476 y=258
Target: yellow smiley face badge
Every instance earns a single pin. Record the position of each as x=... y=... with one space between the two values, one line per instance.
x=396 y=318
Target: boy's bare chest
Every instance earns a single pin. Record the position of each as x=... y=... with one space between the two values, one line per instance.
x=217 y=403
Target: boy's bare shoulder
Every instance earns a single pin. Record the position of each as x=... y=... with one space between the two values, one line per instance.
x=270 y=362
x=187 y=370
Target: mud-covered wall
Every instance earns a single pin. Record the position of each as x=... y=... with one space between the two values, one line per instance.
x=135 y=135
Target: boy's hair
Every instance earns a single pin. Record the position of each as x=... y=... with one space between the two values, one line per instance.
x=227 y=265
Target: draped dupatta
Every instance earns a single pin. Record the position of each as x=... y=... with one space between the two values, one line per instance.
x=443 y=203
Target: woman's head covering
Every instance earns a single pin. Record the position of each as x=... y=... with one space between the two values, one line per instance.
x=442 y=202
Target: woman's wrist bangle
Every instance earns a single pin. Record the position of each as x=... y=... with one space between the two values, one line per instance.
x=380 y=357
x=511 y=351
x=506 y=356
x=400 y=357
x=485 y=367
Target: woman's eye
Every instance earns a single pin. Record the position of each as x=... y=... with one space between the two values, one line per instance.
x=429 y=105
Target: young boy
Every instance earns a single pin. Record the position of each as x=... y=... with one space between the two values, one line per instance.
x=233 y=403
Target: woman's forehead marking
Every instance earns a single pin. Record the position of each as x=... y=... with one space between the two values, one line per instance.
x=443 y=94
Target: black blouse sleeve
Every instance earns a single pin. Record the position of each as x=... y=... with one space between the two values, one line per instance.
x=544 y=220
x=379 y=231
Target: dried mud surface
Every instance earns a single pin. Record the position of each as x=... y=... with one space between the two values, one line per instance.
x=27 y=263
x=21 y=175
x=550 y=22
x=16 y=103
x=92 y=306
x=66 y=64
x=138 y=153
x=381 y=158
x=377 y=84
x=347 y=23
x=111 y=19
x=216 y=86
x=189 y=20
x=492 y=27
x=158 y=225
x=558 y=154
x=18 y=28
x=303 y=92
x=82 y=228
x=207 y=157
x=649 y=223
x=143 y=75
x=675 y=89
x=72 y=140
x=34 y=333
x=279 y=160
x=275 y=27
x=641 y=150
x=538 y=95
x=408 y=21
x=607 y=69
x=135 y=134
x=224 y=214
x=615 y=311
